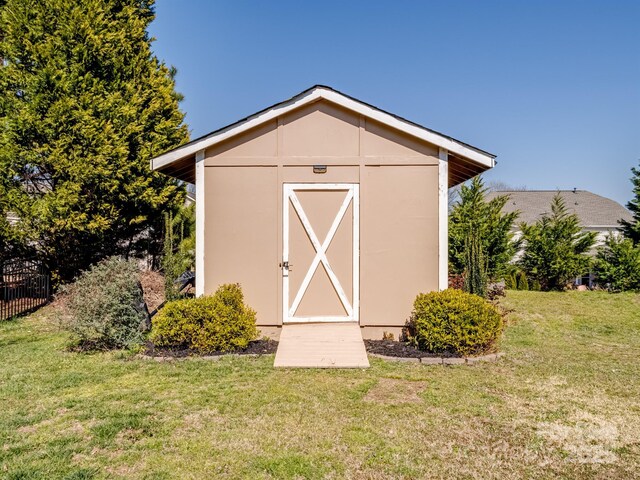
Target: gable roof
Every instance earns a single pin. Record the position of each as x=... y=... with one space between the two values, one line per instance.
x=593 y=210
x=313 y=94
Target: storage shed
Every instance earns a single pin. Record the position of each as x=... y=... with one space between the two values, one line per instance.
x=325 y=209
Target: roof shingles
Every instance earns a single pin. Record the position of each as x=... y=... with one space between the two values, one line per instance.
x=592 y=210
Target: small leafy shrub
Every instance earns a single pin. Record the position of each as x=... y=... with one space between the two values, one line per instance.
x=454 y=322
x=510 y=282
x=106 y=307
x=221 y=322
x=523 y=283
x=535 y=286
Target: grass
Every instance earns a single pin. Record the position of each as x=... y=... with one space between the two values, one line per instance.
x=562 y=403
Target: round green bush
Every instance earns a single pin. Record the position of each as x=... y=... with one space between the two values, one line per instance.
x=456 y=322
x=217 y=323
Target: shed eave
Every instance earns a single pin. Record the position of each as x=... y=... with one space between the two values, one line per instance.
x=314 y=94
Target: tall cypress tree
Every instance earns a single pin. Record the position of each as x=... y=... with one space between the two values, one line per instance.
x=84 y=106
x=631 y=229
x=475 y=271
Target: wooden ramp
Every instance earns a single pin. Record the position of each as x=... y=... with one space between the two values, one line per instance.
x=321 y=345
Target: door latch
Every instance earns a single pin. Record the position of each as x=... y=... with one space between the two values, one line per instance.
x=286 y=266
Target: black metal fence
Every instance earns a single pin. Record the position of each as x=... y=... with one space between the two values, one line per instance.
x=24 y=286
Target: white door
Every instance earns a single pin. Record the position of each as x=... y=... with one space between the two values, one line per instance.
x=320 y=258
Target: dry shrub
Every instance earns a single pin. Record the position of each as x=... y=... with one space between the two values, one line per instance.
x=106 y=307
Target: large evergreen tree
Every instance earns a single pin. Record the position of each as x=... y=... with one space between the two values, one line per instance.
x=555 y=247
x=472 y=215
x=84 y=106
x=631 y=229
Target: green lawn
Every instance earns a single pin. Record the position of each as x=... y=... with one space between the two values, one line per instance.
x=563 y=403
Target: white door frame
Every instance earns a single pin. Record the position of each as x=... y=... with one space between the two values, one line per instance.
x=290 y=198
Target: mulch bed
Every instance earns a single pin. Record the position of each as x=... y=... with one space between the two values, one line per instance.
x=257 y=347
x=391 y=348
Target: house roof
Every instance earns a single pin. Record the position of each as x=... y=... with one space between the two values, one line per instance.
x=593 y=210
x=455 y=147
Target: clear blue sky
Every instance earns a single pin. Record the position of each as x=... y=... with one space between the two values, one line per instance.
x=551 y=87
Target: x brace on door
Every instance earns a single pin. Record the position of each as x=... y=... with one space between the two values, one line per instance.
x=352 y=195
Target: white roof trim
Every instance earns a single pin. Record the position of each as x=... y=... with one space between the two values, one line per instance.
x=313 y=95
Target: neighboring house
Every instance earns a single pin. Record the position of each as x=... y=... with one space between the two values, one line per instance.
x=324 y=209
x=595 y=213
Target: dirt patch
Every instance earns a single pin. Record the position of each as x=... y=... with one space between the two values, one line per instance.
x=392 y=391
x=391 y=348
x=152 y=288
x=201 y=420
x=127 y=436
x=34 y=427
x=257 y=347
x=126 y=471
x=28 y=429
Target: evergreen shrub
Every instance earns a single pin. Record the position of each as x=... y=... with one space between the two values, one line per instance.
x=220 y=322
x=455 y=322
x=617 y=264
x=556 y=249
x=523 y=283
x=510 y=282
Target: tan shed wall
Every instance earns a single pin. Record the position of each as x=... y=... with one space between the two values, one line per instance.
x=380 y=141
x=320 y=130
x=399 y=240
x=259 y=142
x=335 y=174
x=398 y=179
x=241 y=246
